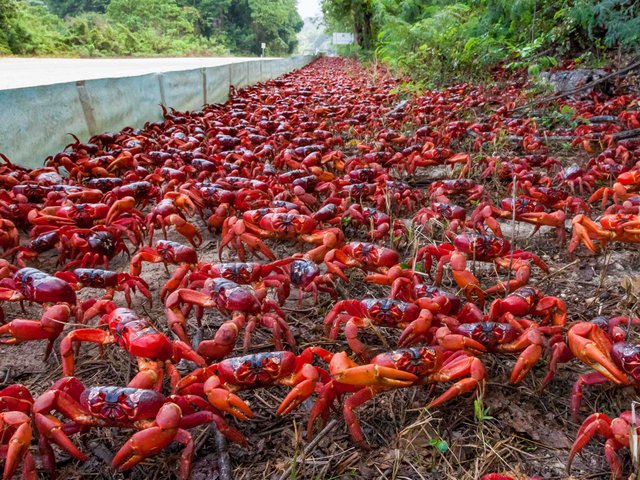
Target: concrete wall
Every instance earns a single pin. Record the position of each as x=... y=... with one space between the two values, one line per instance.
x=35 y=121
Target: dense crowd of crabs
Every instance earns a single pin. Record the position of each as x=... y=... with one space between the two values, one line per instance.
x=333 y=164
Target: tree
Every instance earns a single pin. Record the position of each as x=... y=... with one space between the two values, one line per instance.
x=64 y=8
x=353 y=15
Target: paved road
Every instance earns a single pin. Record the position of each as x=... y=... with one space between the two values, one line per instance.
x=29 y=72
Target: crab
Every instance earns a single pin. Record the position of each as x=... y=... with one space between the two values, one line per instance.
x=379 y=224
x=627 y=184
x=529 y=301
x=245 y=305
x=16 y=405
x=613 y=361
x=169 y=211
x=482 y=248
x=305 y=275
x=523 y=209
x=441 y=190
x=253 y=226
x=220 y=381
x=366 y=256
x=160 y=420
x=268 y=275
x=514 y=336
x=392 y=370
x=440 y=213
x=609 y=228
x=56 y=296
x=167 y=252
x=113 y=282
x=617 y=432
x=380 y=312
x=152 y=349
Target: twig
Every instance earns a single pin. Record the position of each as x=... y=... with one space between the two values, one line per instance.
x=224 y=462
x=513 y=232
x=310 y=448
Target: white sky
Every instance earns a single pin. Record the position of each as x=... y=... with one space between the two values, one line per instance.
x=309 y=8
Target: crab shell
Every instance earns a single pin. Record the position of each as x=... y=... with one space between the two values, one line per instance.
x=41 y=287
x=137 y=336
x=257 y=370
x=484 y=247
x=232 y=297
x=121 y=405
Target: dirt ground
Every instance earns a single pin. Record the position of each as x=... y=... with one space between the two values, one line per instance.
x=519 y=430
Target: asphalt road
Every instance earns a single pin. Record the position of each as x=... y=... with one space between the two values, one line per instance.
x=29 y=72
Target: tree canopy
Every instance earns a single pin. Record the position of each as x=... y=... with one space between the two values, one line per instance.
x=146 y=27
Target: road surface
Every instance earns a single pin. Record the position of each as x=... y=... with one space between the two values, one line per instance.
x=30 y=72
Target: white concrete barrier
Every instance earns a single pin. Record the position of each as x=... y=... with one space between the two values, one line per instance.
x=35 y=121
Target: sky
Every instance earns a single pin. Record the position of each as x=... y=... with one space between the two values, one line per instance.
x=309 y=8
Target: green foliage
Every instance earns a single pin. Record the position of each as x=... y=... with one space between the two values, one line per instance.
x=444 y=41
x=64 y=8
x=147 y=27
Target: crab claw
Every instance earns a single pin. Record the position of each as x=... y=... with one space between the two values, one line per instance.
x=417 y=330
x=150 y=440
x=453 y=342
x=591 y=345
x=301 y=391
x=18 y=445
x=226 y=401
x=186 y=229
x=371 y=374
x=125 y=204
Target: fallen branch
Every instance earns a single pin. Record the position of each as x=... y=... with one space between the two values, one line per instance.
x=570 y=138
x=224 y=462
x=630 y=67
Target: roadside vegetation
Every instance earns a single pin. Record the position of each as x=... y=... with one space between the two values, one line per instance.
x=147 y=27
x=440 y=41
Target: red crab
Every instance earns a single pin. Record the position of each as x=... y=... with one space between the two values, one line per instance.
x=483 y=248
x=366 y=256
x=292 y=226
x=261 y=370
x=153 y=350
x=305 y=274
x=169 y=211
x=609 y=228
x=167 y=252
x=514 y=336
x=160 y=420
x=396 y=369
x=113 y=282
x=617 y=432
x=269 y=275
x=16 y=405
x=441 y=190
x=246 y=307
x=526 y=210
x=57 y=297
x=615 y=361
x=379 y=312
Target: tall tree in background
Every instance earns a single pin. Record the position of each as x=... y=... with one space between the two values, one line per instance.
x=352 y=15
